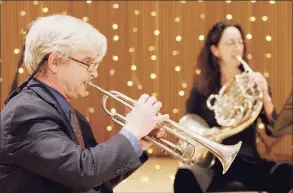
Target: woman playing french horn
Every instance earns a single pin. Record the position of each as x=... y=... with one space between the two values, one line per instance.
x=219 y=62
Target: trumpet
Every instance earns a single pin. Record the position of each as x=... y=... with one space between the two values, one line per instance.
x=187 y=154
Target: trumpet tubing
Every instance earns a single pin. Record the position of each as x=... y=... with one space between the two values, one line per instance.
x=187 y=153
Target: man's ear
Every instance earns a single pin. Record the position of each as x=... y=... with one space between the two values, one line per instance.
x=54 y=62
x=215 y=51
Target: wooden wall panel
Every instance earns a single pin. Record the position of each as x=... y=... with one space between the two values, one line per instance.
x=137 y=44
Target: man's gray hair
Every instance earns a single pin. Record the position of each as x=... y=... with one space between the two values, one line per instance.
x=63 y=34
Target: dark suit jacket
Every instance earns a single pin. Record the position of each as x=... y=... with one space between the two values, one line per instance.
x=39 y=151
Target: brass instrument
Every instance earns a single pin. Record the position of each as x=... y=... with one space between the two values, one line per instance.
x=187 y=154
x=236 y=106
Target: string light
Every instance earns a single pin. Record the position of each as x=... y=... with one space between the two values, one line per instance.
x=252 y=18
x=116 y=6
x=201 y=37
x=202 y=16
x=112 y=72
x=20 y=70
x=177 y=19
x=151 y=48
x=153 y=57
x=133 y=67
x=16 y=51
x=268 y=55
x=150 y=150
x=85 y=19
x=249 y=56
x=253 y=1
x=178 y=38
x=184 y=85
x=248 y=36
x=88 y=1
x=45 y=9
x=153 y=76
x=35 y=2
x=197 y=71
x=22 y=13
x=139 y=87
x=134 y=29
x=109 y=128
x=156 y=32
x=183 y=2
x=175 y=111
x=266 y=74
x=268 y=38
x=113 y=110
x=91 y=110
x=115 y=58
x=115 y=26
x=264 y=18
x=177 y=68
x=228 y=1
x=116 y=38
x=229 y=16
x=129 y=83
x=181 y=93
x=136 y=12
x=175 y=52
x=153 y=13
x=131 y=49
x=261 y=126
x=272 y=2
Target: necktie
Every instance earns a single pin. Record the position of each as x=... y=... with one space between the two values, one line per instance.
x=74 y=123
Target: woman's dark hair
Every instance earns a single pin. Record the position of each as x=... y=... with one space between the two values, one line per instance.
x=207 y=63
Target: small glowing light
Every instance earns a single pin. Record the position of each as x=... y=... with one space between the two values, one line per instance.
x=184 y=85
x=266 y=74
x=0 y=79
x=136 y=12
x=153 y=13
x=264 y=18
x=45 y=9
x=175 y=111
x=181 y=93
x=22 y=13
x=201 y=37
x=20 y=70
x=151 y=48
x=153 y=57
x=23 y=31
x=252 y=18
x=116 y=38
x=144 y=179
x=261 y=126
x=202 y=16
x=156 y=32
x=177 y=19
x=131 y=49
x=16 y=51
x=228 y=1
x=178 y=38
x=248 y=36
x=115 y=58
x=139 y=87
x=115 y=26
x=91 y=110
x=35 y=2
x=157 y=167
x=253 y=1
x=116 y=6
x=177 y=68
x=129 y=83
x=183 y=2
x=112 y=72
x=134 y=29
x=197 y=71
x=229 y=16
x=174 y=52
x=64 y=13
x=153 y=76
x=150 y=151
x=133 y=67
x=199 y=0
x=172 y=177
x=249 y=56
x=109 y=128
x=268 y=38
x=113 y=110
x=86 y=19
x=272 y=2
x=268 y=55
x=88 y=1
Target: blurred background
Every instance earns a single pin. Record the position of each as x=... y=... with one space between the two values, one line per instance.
x=152 y=48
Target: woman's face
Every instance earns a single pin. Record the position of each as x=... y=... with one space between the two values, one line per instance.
x=231 y=44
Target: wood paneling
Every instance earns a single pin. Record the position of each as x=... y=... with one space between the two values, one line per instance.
x=137 y=31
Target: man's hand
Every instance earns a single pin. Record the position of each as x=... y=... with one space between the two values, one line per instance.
x=157 y=132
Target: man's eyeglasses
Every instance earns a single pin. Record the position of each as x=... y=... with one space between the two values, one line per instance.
x=90 y=67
